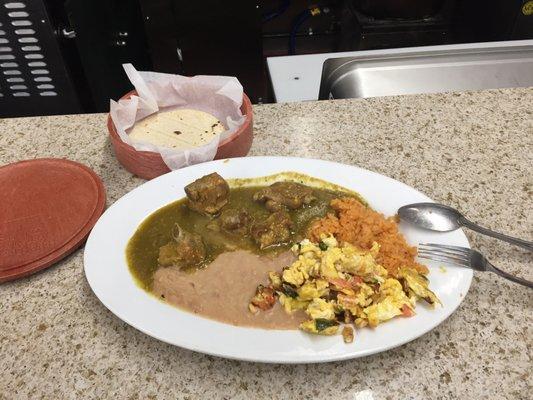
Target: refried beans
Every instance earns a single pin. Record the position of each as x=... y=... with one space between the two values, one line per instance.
x=223 y=289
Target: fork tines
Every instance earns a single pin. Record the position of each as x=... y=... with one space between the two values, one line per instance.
x=444 y=253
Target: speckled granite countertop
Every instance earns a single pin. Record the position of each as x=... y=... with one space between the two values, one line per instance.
x=470 y=150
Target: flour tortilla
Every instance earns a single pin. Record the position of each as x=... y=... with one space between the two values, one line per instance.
x=178 y=129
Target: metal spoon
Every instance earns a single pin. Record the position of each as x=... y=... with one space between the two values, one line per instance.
x=441 y=218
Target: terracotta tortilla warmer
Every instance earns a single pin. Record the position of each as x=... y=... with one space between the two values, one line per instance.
x=148 y=165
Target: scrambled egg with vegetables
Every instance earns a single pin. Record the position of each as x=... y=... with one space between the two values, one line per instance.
x=340 y=284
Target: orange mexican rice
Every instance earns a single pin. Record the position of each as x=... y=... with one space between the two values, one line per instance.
x=361 y=226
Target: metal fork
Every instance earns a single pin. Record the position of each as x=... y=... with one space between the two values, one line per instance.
x=465 y=258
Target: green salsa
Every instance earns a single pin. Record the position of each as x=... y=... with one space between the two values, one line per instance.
x=156 y=230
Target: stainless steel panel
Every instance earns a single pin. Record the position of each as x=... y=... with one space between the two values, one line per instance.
x=428 y=71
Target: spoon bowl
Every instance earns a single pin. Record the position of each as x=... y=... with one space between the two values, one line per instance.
x=432 y=216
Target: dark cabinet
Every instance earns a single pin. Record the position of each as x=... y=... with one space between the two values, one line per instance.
x=207 y=38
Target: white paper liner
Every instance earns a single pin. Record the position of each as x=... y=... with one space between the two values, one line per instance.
x=220 y=96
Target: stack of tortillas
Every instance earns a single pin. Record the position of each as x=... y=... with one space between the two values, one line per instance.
x=179 y=129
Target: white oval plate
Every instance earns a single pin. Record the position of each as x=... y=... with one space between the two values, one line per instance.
x=109 y=278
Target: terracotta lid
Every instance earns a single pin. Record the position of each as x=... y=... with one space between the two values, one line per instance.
x=48 y=207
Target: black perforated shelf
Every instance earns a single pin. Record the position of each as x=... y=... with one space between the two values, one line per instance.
x=33 y=77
